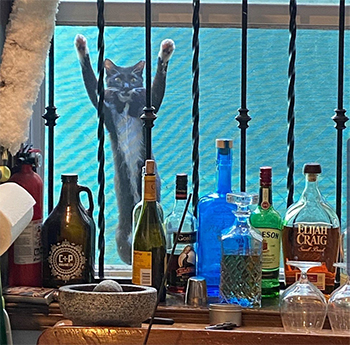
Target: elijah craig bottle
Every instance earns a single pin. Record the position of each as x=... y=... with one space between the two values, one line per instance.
x=311 y=233
x=68 y=238
x=149 y=245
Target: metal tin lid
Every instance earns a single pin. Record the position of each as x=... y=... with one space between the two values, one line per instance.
x=226 y=307
x=69 y=177
x=224 y=143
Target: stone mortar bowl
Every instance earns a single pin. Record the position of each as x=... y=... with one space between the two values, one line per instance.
x=125 y=309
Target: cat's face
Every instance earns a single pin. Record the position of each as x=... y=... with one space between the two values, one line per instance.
x=123 y=82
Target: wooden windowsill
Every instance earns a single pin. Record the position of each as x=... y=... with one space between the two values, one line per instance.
x=25 y=316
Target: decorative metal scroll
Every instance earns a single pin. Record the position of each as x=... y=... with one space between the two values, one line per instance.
x=243 y=118
x=101 y=137
x=291 y=101
x=50 y=116
x=340 y=117
x=195 y=109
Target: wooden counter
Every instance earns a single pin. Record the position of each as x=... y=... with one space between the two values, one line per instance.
x=184 y=334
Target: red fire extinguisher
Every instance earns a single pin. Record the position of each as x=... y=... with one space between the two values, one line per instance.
x=25 y=255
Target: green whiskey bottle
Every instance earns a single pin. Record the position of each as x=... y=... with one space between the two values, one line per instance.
x=268 y=221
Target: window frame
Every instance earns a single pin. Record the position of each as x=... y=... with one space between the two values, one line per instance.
x=212 y=15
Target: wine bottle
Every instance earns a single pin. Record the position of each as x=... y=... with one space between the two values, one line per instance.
x=183 y=264
x=215 y=215
x=269 y=222
x=68 y=238
x=137 y=208
x=149 y=245
x=311 y=233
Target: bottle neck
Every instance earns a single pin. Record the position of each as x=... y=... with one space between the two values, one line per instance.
x=69 y=194
x=311 y=191
x=27 y=169
x=150 y=189
x=265 y=196
x=180 y=202
x=224 y=171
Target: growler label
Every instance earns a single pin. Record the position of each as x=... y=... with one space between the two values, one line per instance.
x=66 y=261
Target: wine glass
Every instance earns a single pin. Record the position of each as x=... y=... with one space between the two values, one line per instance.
x=302 y=305
x=339 y=305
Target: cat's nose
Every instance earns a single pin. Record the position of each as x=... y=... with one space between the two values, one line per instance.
x=127 y=85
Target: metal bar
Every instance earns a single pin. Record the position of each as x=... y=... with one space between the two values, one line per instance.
x=50 y=116
x=291 y=101
x=195 y=102
x=148 y=116
x=243 y=118
x=101 y=137
x=340 y=117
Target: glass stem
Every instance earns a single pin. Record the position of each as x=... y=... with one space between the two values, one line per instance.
x=303 y=277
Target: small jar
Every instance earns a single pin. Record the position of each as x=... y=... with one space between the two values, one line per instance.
x=222 y=312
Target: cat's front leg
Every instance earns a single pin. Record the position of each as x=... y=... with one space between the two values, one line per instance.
x=89 y=77
x=82 y=47
x=166 y=51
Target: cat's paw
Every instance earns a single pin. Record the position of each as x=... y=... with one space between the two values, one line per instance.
x=81 y=46
x=167 y=48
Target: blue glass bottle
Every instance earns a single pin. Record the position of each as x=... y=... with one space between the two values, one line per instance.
x=214 y=215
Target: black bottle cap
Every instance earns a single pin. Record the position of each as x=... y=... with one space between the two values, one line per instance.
x=181 y=186
x=69 y=177
x=312 y=168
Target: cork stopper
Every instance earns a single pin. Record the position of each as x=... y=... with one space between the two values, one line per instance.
x=149 y=167
x=265 y=176
x=223 y=143
x=181 y=186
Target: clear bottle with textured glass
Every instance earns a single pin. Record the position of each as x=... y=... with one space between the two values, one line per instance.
x=214 y=215
x=311 y=233
x=241 y=262
x=269 y=222
x=149 y=244
x=183 y=263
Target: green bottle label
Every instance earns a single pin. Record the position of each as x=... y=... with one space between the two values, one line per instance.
x=271 y=248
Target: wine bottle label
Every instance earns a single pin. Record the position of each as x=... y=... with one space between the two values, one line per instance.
x=271 y=248
x=66 y=260
x=142 y=268
x=318 y=279
x=150 y=188
x=27 y=247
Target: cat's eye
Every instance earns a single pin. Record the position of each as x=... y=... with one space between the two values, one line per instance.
x=132 y=80
x=118 y=80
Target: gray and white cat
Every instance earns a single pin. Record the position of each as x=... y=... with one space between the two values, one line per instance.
x=123 y=105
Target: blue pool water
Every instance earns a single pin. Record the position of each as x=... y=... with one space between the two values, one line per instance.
x=316 y=98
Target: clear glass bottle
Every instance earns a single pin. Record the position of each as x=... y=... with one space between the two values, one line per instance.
x=241 y=263
x=311 y=233
x=269 y=222
x=183 y=264
x=68 y=238
x=149 y=245
x=214 y=215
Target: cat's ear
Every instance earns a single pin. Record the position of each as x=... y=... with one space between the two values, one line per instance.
x=109 y=66
x=138 y=68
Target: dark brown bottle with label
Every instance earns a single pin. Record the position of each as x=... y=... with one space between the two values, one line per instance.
x=311 y=233
x=68 y=238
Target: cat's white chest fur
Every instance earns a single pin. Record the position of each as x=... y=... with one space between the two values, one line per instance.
x=130 y=141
